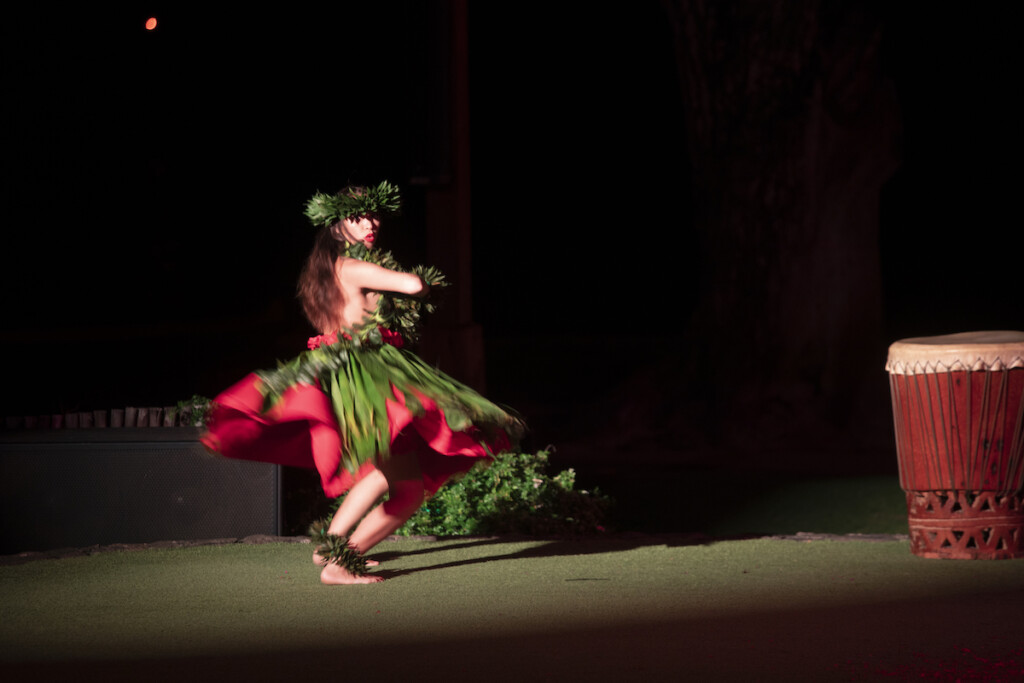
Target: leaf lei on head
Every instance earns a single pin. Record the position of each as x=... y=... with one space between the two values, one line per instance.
x=398 y=312
x=327 y=209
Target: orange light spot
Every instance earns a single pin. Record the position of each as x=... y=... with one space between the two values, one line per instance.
x=150 y=23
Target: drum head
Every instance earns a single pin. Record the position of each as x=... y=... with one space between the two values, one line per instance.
x=975 y=351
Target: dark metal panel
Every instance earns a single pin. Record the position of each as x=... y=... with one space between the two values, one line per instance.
x=76 y=494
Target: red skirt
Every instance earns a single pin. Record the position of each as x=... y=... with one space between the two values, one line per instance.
x=301 y=430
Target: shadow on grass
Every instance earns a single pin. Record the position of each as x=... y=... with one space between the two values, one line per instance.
x=545 y=547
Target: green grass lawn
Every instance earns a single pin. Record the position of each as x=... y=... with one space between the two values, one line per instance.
x=626 y=607
x=691 y=588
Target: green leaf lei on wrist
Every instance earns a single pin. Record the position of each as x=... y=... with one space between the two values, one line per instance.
x=327 y=209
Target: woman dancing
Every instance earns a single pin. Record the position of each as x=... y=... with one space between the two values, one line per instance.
x=370 y=416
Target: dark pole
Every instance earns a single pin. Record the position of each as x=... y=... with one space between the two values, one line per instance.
x=454 y=341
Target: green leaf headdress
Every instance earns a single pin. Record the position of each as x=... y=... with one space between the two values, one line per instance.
x=327 y=209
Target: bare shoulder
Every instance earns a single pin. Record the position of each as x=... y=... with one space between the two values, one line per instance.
x=365 y=275
x=353 y=267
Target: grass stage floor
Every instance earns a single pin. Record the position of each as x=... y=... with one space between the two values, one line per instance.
x=627 y=607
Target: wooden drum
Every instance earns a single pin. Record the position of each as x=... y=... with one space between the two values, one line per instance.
x=959 y=416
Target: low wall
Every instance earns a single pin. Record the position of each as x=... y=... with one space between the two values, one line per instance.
x=82 y=487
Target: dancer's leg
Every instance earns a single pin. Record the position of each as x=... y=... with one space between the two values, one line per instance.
x=405 y=496
x=358 y=501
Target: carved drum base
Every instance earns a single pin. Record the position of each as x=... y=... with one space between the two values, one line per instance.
x=966 y=525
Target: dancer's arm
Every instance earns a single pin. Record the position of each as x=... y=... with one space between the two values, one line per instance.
x=371 y=277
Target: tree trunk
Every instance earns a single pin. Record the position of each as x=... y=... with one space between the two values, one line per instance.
x=792 y=131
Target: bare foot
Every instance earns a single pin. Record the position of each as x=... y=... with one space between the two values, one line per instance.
x=336 y=575
x=320 y=561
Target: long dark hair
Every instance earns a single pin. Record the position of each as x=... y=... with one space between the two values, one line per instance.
x=318 y=284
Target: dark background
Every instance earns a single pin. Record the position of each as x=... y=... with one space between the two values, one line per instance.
x=154 y=184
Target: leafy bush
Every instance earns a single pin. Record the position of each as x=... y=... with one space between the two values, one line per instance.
x=194 y=412
x=512 y=495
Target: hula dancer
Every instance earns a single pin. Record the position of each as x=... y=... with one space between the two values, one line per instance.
x=370 y=416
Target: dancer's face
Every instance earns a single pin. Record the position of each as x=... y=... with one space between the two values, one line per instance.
x=360 y=229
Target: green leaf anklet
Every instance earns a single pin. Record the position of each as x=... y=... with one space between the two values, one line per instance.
x=335 y=549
